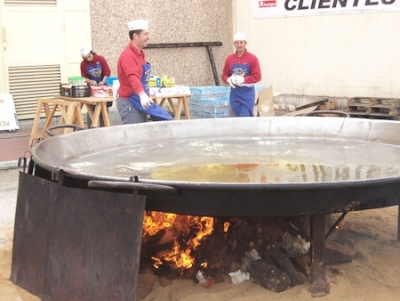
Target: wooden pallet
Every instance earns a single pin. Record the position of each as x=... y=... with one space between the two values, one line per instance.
x=383 y=108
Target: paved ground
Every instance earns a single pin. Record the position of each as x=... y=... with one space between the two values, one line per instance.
x=8 y=199
x=13 y=145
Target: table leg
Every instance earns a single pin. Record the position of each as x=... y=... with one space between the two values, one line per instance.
x=186 y=107
x=49 y=116
x=162 y=102
x=178 y=110
x=96 y=115
x=91 y=115
x=70 y=116
x=171 y=104
x=36 y=121
x=104 y=113
x=78 y=119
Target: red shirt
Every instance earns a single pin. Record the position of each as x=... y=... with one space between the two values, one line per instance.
x=130 y=71
x=250 y=59
x=104 y=68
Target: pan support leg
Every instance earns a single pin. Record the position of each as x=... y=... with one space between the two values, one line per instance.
x=398 y=223
x=319 y=286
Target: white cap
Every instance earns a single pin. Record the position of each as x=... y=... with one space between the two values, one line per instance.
x=239 y=37
x=138 y=24
x=85 y=50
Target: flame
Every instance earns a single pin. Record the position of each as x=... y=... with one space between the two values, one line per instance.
x=183 y=227
x=156 y=221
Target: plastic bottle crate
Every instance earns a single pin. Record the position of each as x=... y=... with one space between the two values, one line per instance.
x=209 y=108
x=209 y=102
x=74 y=90
x=210 y=92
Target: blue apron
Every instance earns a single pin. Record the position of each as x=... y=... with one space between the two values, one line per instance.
x=156 y=113
x=242 y=98
x=96 y=74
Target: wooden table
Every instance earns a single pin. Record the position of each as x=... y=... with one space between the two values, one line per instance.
x=70 y=114
x=182 y=102
x=100 y=107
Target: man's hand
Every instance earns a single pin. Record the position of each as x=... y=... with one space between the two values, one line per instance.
x=145 y=101
x=229 y=80
x=238 y=80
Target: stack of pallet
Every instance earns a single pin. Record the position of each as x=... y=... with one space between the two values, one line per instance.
x=378 y=108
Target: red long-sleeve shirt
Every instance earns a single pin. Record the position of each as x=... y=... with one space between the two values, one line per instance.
x=250 y=59
x=130 y=71
x=103 y=68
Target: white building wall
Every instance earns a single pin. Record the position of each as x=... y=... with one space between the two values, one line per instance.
x=338 y=55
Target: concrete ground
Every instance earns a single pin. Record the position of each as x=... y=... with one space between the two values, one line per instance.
x=8 y=199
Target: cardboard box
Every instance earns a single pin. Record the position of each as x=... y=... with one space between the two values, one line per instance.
x=328 y=105
x=265 y=104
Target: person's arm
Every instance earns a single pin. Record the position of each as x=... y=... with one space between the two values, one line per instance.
x=255 y=71
x=105 y=69
x=226 y=72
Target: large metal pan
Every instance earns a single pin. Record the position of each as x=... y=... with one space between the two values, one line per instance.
x=267 y=166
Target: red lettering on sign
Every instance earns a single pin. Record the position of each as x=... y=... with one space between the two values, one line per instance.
x=267 y=3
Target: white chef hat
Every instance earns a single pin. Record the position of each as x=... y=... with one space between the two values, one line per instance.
x=138 y=24
x=85 y=50
x=239 y=37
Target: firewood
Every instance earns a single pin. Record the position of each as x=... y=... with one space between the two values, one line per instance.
x=303 y=264
x=336 y=253
x=269 y=276
x=283 y=262
x=263 y=273
x=335 y=270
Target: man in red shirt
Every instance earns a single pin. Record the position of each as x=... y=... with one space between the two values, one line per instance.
x=241 y=71
x=133 y=101
x=95 y=70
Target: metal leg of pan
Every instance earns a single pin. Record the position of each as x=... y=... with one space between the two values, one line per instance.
x=398 y=223
x=319 y=286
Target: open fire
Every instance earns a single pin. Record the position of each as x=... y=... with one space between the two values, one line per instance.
x=185 y=233
x=266 y=251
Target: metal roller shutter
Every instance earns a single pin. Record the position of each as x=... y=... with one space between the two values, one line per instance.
x=29 y=83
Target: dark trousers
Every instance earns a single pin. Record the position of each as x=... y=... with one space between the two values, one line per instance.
x=89 y=120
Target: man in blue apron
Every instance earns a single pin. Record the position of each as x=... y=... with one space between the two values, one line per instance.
x=95 y=70
x=241 y=71
x=133 y=101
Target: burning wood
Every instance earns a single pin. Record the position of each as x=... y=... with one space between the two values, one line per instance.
x=207 y=249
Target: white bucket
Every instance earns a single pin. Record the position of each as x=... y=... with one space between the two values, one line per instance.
x=115 y=87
